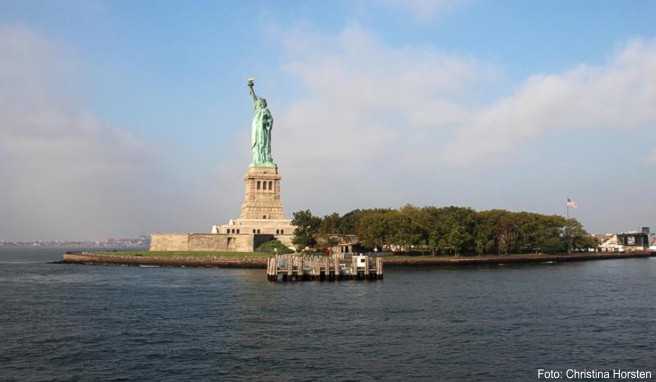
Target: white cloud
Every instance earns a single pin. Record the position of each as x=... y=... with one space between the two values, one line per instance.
x=64 y=173
x=391 y=123
x=369 y=101
x=620 y=94
x=369 y=111
x=364 y=99
x=375 y=125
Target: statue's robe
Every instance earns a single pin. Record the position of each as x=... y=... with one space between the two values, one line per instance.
x=261 y=135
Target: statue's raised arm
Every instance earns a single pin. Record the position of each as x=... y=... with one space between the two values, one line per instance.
x=251 y=84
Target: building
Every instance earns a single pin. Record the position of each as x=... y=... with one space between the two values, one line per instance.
x=625 y=242
x=344 y=243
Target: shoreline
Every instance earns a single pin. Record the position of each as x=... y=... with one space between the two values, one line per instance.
x=260 y=262
x=509 y=259
x=90 y=258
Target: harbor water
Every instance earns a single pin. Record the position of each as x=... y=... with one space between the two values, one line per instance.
x=78 y=322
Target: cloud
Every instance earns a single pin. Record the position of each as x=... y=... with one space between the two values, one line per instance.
x=385 y=125
x=363 y=97
x=368 y=111
x=65 y=173
x=618 y=95
x=423 y=9
x=372 y=125
x=369 y=101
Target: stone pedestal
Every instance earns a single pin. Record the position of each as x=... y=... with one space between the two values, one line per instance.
x=261 y=210
x=262 y=195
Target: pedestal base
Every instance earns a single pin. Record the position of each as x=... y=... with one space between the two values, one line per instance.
x=261 y=211
x=280 y=229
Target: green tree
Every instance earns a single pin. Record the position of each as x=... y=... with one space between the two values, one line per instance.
x=447 y=230
x=578 y=237
x=372 y=229
x=307 y=227
x=484 y=233
x=348 y=222
x=330 y=224
x=403 y=232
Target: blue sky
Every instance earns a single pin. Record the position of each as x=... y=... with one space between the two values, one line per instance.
x=487 y=104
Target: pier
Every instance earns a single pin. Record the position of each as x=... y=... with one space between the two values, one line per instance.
x=324 y=268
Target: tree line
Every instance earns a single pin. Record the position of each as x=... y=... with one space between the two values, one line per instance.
x=445 y=231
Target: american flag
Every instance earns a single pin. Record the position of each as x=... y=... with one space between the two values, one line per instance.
x=571 y=203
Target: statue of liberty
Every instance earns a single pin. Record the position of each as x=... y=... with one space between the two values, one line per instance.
x=260 y=131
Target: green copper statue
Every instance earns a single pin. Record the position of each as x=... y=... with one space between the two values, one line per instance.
x=260 y=131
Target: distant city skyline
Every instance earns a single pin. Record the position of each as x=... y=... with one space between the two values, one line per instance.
x=110 y=243
x=118 y=119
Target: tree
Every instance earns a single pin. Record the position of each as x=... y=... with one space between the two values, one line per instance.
x=578 y=237
x=484 y=233
x=330 y=224
x=447 y=230
x=372 y=229
x=403 y=233
x=348 y=222
x=307 y=227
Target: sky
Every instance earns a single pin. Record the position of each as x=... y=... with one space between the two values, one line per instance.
x=122 y=118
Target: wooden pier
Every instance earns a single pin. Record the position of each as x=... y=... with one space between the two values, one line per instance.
x=324 y=268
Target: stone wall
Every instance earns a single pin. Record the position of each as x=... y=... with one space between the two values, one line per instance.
x=220 y=242
x=171 y=242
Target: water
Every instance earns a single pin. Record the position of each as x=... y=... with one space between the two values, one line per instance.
x=76 y=322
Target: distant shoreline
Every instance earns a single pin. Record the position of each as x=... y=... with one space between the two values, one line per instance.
x=258 y=260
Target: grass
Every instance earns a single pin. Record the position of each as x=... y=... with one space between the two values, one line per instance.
x=226 y=255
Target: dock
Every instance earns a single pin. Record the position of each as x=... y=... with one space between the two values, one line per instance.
x=336 y=267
